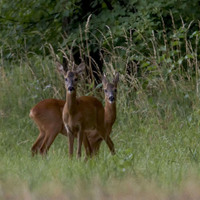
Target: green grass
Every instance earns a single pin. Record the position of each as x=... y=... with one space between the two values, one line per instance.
x=156 y=137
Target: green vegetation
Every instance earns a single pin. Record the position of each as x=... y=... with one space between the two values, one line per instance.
x=29 y=26
x=155 y=47
x=156 y=137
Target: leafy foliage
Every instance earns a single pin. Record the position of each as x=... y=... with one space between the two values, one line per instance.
x=153 y=40
x=29 y=25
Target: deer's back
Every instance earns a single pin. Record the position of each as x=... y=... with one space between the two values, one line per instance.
x=91 y=111
x=47 y=112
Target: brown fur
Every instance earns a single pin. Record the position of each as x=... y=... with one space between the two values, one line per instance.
x=47 y=114
x=82 y=115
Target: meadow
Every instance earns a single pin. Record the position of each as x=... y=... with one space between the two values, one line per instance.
x=154 y=45
x=156 y=136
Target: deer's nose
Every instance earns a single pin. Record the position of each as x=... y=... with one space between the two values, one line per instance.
x=111 y=98
x=70 y=88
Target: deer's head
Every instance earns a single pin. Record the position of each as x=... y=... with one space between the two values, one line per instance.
x=110 y=89
x=71 y=76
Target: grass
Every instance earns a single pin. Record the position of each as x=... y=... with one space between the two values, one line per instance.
x=156 y=136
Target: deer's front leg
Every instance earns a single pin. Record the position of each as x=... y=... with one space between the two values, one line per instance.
x=71 y=145
x=71 y=140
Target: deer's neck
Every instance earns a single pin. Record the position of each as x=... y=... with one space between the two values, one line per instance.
x=71 y=102
x=110 y=114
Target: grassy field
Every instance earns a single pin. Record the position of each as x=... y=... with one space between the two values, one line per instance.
x=156 y=137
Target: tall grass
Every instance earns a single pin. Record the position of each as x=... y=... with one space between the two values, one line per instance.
x=156 y=134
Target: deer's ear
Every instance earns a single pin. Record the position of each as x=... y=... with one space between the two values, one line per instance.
x=104 y=80
x=80 y=68
x=60 y=68
x=116 y=79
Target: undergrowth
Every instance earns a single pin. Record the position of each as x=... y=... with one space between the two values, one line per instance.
x=156 y=134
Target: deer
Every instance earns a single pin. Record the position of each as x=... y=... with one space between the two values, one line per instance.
x=82 y=115
x=110 y=93
x=47 y=115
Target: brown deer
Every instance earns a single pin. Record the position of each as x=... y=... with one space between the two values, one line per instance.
x=47 y=115
x=110 y=92
x=82 y=115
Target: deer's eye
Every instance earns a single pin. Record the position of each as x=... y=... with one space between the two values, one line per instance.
x=75 y=79
x=66 y=79
x=105 y=90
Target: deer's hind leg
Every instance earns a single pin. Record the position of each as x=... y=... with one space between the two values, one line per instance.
x=49 y=138
x=37 y=144
x=109 y=142
x=80 y=141
x=87 y=145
